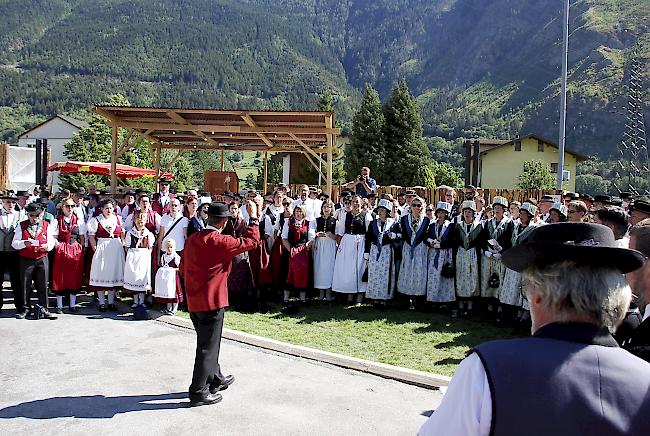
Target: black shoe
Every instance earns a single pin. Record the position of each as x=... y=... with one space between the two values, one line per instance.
x=207 y=400
x=59 y=310
x=74 y=309
x=227 y=381
x=112 y=308
x=21 y=315
x=49 y=315
x=102 y=308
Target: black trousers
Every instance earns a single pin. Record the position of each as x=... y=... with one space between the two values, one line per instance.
x=10 y=261
x=208 y=326
x=35 y=271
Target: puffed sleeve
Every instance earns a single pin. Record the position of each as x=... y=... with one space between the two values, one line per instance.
x=340 y=225
x=92 y=226
x=311 y=235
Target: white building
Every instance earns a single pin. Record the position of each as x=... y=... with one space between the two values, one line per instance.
x=58 y=130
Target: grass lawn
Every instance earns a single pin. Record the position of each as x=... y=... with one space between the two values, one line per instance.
x=425 y=341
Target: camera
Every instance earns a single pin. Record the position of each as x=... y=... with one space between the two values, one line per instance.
x=360 y=177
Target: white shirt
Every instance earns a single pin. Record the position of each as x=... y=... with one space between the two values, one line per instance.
x=178 y=232
x=18 y=243
x=164 y=199
x=112 y=222
x=80 y=224
x=134 y=234
x=311 y=233
x=466 y=409
x=624 y=242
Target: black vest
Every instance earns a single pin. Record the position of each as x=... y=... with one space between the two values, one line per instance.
x=568 y=379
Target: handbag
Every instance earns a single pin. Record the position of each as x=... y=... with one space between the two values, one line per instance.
x=448 y=271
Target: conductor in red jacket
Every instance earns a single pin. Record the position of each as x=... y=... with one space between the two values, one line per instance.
x=205 y=266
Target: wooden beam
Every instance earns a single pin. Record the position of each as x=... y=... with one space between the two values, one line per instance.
x=156 y=167
x=234 y=148
x=251 y=123
x=266 y=172
x=313 y=164
x=179 y=119
x=307 y=148
x=114 y=160
x=210 y=111
x=167 y=126
x=331 y=143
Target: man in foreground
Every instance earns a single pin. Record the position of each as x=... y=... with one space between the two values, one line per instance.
x=639 y=280
x=205 y=266
x=570 y=377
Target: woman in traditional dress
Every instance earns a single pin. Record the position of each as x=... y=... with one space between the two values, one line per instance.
x=412 y=230
x=270 y=219
x=279 y=255
x=557 y=213
x=168 y=284
x=105 y=235
x=379 y=254
x=189 y=211
x=510 y=295
x=497 y=233
x=350 y=263
x=68 y=268
x=468 y=241
x=324 y=251
x=440 y=285
x=240 y=280
x=297 y=237
x=139 y=243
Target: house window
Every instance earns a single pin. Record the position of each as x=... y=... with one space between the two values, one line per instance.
x=517 y=145
x=540 y=146
x=554 y=168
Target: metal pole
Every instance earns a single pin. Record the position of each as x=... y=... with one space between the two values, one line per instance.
x=565 y=55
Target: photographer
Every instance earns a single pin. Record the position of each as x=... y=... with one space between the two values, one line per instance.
x=363 y=184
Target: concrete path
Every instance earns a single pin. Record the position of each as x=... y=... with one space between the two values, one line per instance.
x=87 y=373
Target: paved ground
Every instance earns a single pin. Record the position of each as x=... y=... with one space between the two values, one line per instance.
x=88 y=373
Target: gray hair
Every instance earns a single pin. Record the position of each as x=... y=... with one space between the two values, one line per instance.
x=573 y=291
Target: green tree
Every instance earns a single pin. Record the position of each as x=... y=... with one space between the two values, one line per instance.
x=591 y=184
x=424 y=176
x=448 y=175
x=367 y=145
x=326 y=103
x=274 y=174
x=536 y=175
x=405 y=147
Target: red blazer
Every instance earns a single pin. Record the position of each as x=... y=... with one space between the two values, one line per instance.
x=206 y=264
x=156 y=205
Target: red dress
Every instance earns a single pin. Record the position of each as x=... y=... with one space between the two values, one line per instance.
x=68 y=268
x=279 y=258
x=298 y=275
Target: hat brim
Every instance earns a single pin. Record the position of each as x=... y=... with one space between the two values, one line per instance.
x=385 y=208
x=542 y=254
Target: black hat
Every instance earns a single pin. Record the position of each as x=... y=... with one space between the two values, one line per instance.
x=616 y=201
x=587 y=197
x=43 y=200
x=8 y=196
x=164 y=181
x=22 y=194
x=228 y=194
x=323 y=196
x=129 y=192
x=104 y=192
x=218 y=210
x=546 y=198
x=33 y=207
x=603 y=198
x=642 y=204
x=583 y=243
x=571 y=195
x=140 y=191
x=625 y=195
x=372 y=195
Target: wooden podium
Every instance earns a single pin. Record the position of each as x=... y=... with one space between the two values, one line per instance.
x=218 y=182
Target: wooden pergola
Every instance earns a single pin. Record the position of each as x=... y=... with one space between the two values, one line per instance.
x=310 y=133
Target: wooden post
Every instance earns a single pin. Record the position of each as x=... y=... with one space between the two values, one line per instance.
x=223 y=160
x=114 y=160
x=331 y=143
x=266 y=171
x=156 y=167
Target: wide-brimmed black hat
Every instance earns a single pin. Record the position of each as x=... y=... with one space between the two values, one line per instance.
x=164 y=181
x=33 y=207
x=584 y=243
x=22 y=193
x=587 y=197
x=218 y=210
x=642 y=204
x=602 y=198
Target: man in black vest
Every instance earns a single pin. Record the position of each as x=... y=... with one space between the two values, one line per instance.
x=570 y=377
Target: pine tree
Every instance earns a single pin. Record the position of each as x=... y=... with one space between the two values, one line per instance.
x=406 y=151
x=326 y=103
x=367 y=145
x=536 y=175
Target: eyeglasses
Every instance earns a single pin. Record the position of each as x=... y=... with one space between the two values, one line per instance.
x=34 y=215
x=416 y=205
x=68 y=205
x=572 y=211
x=286 y=204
